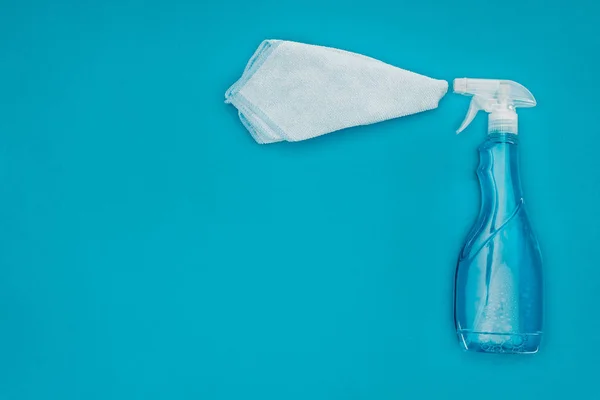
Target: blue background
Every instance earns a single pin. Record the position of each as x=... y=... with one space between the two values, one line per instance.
x=151 y=250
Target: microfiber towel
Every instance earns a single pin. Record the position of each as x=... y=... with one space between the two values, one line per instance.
x=293 y=91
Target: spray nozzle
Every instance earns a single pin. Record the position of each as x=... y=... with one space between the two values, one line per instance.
x=499 y=98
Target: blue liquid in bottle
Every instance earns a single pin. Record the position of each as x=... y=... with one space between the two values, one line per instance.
x=498 y=292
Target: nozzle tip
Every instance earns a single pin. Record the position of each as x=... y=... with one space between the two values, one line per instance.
x=460 y=85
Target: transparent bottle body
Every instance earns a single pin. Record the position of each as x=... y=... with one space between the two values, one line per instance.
x=498 y=288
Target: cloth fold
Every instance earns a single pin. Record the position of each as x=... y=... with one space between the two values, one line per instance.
x=293 y=91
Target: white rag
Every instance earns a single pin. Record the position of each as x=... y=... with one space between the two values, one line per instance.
x=294 y=91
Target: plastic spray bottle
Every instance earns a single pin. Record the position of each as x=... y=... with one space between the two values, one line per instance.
x=498 y=292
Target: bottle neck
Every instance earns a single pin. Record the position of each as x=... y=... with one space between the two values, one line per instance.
x=499 y=170
x=503 y=120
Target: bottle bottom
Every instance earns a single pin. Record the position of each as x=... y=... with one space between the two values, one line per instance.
x=507 y=343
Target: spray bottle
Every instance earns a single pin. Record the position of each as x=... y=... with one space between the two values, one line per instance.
x=498 y=292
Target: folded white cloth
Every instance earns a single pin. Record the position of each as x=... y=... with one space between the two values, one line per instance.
x=293 y=91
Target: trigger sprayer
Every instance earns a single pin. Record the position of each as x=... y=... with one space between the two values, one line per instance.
x=499 y=98
x=498 y=293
